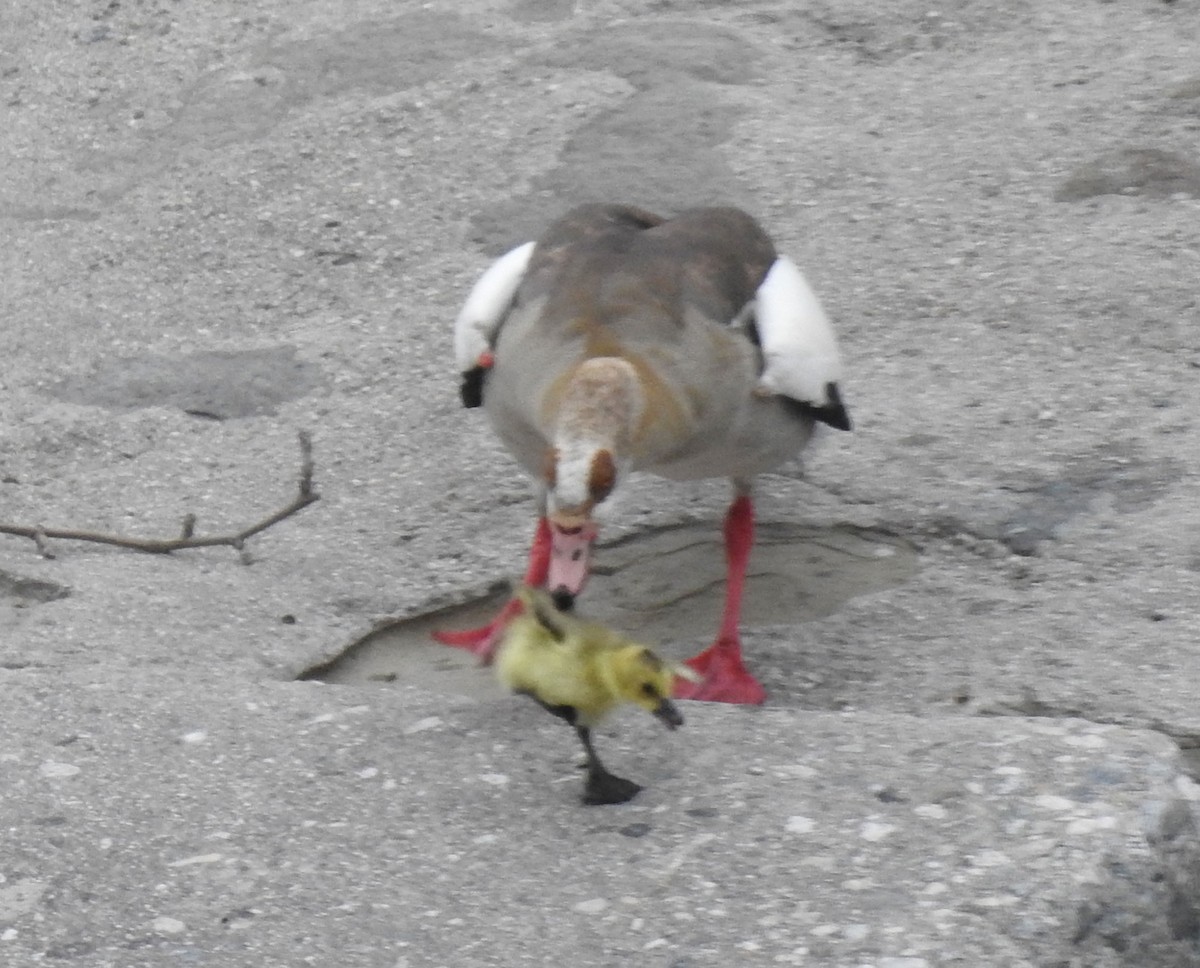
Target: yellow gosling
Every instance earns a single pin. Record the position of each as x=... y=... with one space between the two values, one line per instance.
x=580 y=671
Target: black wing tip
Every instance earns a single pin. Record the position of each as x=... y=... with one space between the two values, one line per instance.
x=837 y=418
x=471 y=388
x=833 y=412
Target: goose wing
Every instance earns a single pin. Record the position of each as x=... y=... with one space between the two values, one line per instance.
x=479 y=321
x=800 y=354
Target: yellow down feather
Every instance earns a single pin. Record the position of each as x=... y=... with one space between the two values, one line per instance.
x=563 y=661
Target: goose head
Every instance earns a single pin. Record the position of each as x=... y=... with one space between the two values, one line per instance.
x=596 y=415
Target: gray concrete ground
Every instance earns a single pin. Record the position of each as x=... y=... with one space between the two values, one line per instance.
x=227 y=222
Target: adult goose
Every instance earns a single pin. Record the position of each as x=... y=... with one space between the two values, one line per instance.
x=686 y=347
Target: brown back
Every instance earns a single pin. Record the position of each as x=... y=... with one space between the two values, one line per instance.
x=607 y=264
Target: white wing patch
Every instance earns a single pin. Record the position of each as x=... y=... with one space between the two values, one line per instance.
x=798 y=345
x=487 y=305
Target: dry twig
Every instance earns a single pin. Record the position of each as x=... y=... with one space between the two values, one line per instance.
x=306 y=494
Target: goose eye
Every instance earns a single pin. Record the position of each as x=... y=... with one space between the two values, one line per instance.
x=649 y=689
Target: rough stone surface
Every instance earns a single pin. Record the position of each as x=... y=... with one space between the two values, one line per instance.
x=989 y=763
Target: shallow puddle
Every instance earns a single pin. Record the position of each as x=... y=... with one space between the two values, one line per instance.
x=664 y=587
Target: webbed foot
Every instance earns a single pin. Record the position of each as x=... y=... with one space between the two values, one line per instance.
x=482 y=641
x=726 y=678
x=605 y=788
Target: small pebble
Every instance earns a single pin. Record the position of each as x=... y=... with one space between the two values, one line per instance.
x=55 y=770
x=1048 y=801
x=421 y=725
x=875 y=831
x=196 y=859
x=1091 y=825
x=990 y=858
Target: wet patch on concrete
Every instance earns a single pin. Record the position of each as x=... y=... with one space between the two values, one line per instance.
x=542 y=11
x=17 y=595
x=216 y=385
x=1131 y=484
x=665 y=587
x=1149 y=172
x=20 y=592
x=659 y=149
x=246 y=101
x=378 y=57
x=47 y=213
x=653 y=54
x=1185 y=98
x=880 y=34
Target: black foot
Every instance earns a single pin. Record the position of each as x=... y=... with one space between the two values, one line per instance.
x=605 y=788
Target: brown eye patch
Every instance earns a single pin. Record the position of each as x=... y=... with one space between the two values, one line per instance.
x=550 y=467
x=602 y=475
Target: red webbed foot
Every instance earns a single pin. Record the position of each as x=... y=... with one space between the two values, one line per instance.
x=725 y=677
x=482 y=641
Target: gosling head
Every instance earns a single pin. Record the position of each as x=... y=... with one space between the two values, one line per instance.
x=601 y=405
x=642 y=678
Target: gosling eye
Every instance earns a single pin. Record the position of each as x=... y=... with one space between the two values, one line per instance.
x=649 y=689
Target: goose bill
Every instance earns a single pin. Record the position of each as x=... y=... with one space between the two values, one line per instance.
x=570 y=558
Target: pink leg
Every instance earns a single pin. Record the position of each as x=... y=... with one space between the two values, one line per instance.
x=725 y=675
x=483 y=641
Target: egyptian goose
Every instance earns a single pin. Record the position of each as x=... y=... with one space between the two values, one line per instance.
x=620 y=341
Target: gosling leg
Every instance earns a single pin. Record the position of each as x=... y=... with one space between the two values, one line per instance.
x=603 y=787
